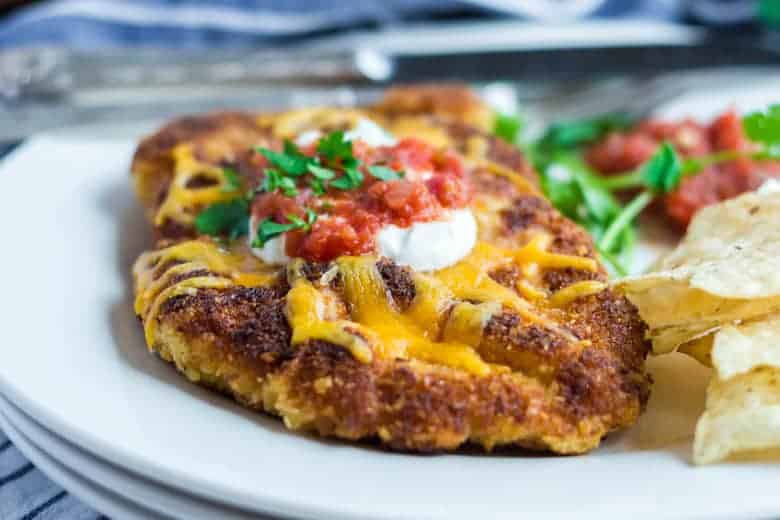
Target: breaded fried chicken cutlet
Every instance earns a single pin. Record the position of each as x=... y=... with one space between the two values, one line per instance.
x=390 y=272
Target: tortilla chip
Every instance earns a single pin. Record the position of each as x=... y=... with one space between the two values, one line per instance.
x=743 y=400
x=724 y=271
x=737 y=350
x=742 y=415
x=700 y=349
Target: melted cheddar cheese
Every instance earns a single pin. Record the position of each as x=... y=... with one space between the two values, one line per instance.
x=444 y=324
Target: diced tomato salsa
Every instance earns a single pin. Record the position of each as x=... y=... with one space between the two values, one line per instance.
x=625 y=151
x=433 y=183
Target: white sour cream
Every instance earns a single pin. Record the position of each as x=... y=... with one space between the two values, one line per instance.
x=769 y=186
x=366 y=130
x=423 y=246
x=273 y=250
x=427 y=246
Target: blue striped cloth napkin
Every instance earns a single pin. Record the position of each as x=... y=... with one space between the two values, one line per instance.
x=27 y=494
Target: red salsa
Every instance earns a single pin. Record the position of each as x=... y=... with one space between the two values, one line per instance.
x=430 y=183
x=625 y=151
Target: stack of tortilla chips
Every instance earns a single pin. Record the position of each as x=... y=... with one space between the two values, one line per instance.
x=717 y=298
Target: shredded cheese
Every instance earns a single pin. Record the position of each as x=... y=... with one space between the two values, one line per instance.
x=445 y=322
x=182 y=203
x=576 y=291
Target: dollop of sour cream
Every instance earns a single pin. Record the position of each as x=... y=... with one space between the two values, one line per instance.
x=427 y=246
x=365 y=129
x=423 y=246
x=769 y=186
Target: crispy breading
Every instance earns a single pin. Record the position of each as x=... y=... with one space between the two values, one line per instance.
x=560 y=385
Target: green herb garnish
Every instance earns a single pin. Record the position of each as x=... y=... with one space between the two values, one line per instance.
x=383 y=173
x=229 y=219
x=508 y=127
x=318 y=172
x=291 y=161
x=763 y=127
x=572 y=134
x=275 y=180
x=335 y=147
x=232 y=180
x=269 y=229
x=351 y=179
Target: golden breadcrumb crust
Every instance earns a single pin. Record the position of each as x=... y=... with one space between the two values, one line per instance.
x=558 y=394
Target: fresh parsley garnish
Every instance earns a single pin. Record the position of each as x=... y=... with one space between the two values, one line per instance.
x=572 y=134
x=351 y=179
x=586 y=197
x=318 y=187
x=229 y=219
x=662 y=172
x=508 y=127
x=763 y=127
x=335 y=147
x=269 y=229
x=321 y=173
x=383 y=173
x=275 y=180
x=291 y=161
x=232 y=180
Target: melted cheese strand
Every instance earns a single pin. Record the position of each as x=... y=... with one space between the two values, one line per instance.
x=181 y=202
x=305 y=308
x=575 y=291
x=399 y=335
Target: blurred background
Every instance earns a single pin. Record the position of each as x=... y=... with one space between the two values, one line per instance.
x=74 y=61
x=96 y=24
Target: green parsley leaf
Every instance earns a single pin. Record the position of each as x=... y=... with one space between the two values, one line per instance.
x=288 y=186
x=563 y=192
x=271 y=180
x=298 y=222
x=224 y=218
x=311 y=216
x=763 y=127
x=318 y=172
x=317 y=187
x=351 y=179
x=232 y=180
x=269 y=229
x=383 y=173
x=573 y=134
x=275 y=180
x=508 y=127
x=333 y=146
x=576 y=192
x=291 y=161
x=663 y=171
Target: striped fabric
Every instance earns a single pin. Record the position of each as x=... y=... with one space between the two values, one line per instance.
x=194 y=24
x=90 y=24
x=27 y=494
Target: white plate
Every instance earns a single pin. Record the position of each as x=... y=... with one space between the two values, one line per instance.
x=97 y=473
x=73 y=357
x=96 y=496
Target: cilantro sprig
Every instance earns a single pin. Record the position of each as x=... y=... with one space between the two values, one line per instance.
x=508 y=127
x=269 y=228
x=333 y=165
x=232 y=180
x=228 y=219
x=587 y=197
